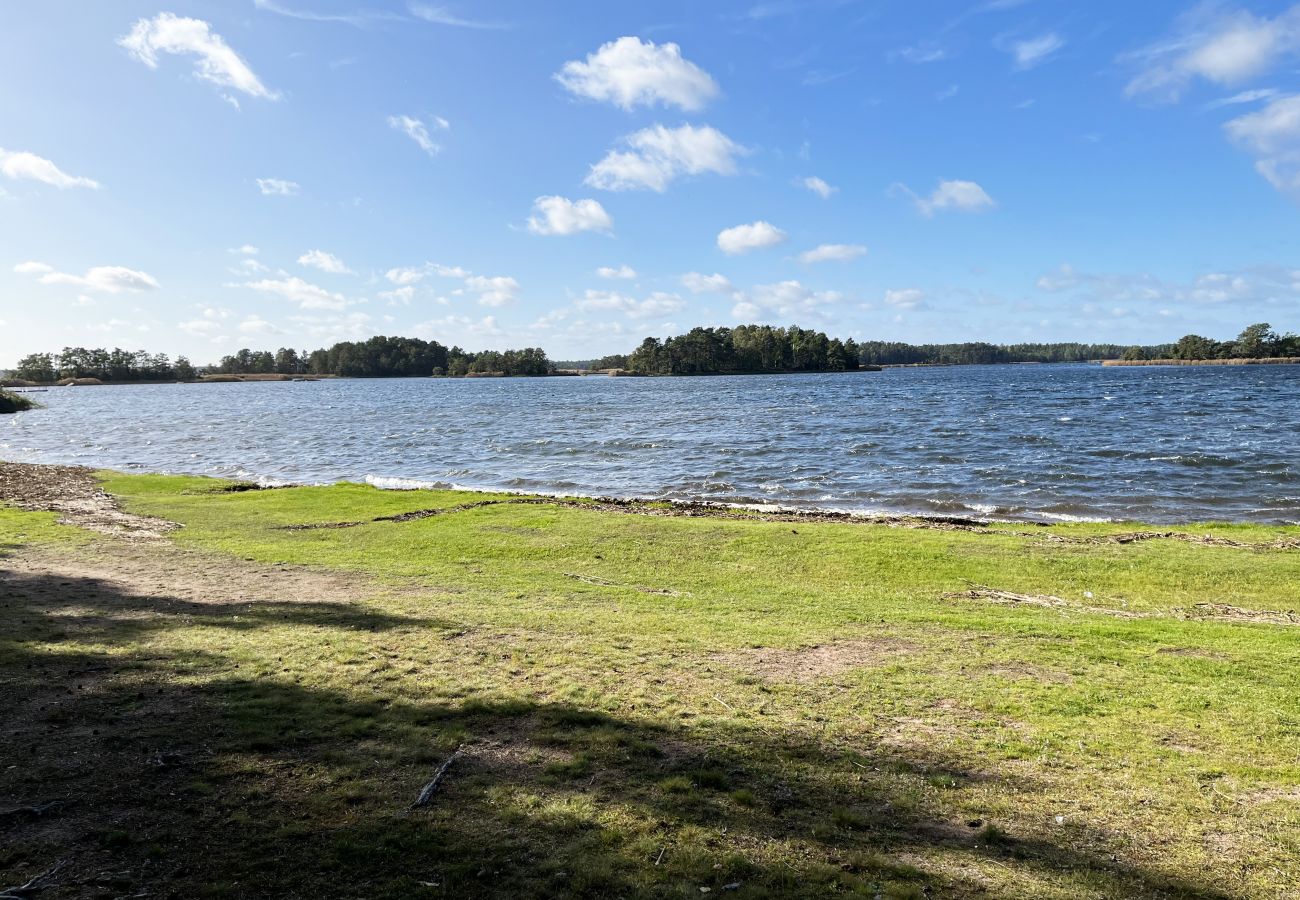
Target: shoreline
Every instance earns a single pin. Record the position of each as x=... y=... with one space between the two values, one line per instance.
x=691 y=507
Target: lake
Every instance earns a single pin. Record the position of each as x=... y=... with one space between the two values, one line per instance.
x=1157 y=444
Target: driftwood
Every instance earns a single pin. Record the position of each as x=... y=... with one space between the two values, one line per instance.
x=427 y=792
x=34 y=886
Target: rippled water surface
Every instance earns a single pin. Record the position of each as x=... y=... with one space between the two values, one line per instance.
x=1156 y=444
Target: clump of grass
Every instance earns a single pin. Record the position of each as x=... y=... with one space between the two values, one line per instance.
x=13 y=403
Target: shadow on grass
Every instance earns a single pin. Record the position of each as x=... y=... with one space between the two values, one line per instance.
x=209 y=771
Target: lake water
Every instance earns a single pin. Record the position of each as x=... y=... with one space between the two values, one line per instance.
x=1041 y=442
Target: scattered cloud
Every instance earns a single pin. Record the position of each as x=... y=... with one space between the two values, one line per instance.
x=277 y=187
x=947 y=93
x=699 y=283
x=832 y=253
x=964 y=196
x=255 y=324
x=1272 y=134
x=920 y=53
x=781 y=300
x=630 y=72
x=216 y=62
x=905 y=298
x=1259 y=286
x=658 y=155
x=105 y=279
x=305 y=294
x=417 y=131
x=1035 y=51
x=623 y=272
x=1241 y=98
x=754 y=236
x=440 y=15
x=817 y=186
x=24 y=166
x=1214 y=44
x=561 y=216
x=498 y=290
x=326 y=262
x=246 y=250
x=657 y=304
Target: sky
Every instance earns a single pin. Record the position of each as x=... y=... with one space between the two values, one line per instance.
x=194 y=177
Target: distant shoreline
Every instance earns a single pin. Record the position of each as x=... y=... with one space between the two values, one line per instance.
x=1259 y=361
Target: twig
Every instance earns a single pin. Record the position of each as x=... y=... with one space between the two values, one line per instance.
x=426 y=794
x=34 y=886
x=661 y=854
x=724 y=703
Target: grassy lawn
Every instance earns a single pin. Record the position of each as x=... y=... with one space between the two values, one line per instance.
x=652 y=706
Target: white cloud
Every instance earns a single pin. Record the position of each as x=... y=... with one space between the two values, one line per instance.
x=1257 y=287
x=629 y=72
x=305 y=294
x=20 y=166
x=277 y=187
x=498 y=290
x=399 y=296
x=352 y=326
x=832 y=253
x=624 y=272
x=905 y=298
x=326 y=262
x=440 y=15
x=699 y=283
x=560 y=216
x=744 y=238
x=657 y=304
x=255 y=324
x=782 y=299
x=246 y=250
x=818 y=186
x=417 y=131
x=1272 y=134
x=216 y=62
x=659 y=155
x=1215 y=45
x=964 y=196
x=199 y=327
x=1034 y=51
x=415 y=274
x=107 y=279
x=1242 y=98
x=920 y=53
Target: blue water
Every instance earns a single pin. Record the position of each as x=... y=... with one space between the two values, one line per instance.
x=1038 y=442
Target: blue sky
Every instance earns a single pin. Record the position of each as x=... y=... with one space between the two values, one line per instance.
x=194 y=177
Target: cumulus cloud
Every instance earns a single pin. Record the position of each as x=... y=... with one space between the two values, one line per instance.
x=277 y=187
x=623 y=272
x=326 y=262
x=417 y=131
x=1272 y=134
x=744 y=238
x=630 y=72
x=305 y=294
x=657 y=304
x=1216 y=45
x=23 y=166
x=818 y=186
x=699 y=283
x=832 y=253
x=497 y=290
x=963 y=196
x=658 y=155
x=782 y=299
x=215 y=61
x=904 y=298
x=105 y=279
x=1035 y=51
x=560 y=216
x=246 y=250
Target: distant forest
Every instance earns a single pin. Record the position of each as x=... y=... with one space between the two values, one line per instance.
x=378 y=357
x=701 y=351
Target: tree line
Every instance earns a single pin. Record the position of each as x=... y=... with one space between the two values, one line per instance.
x=1258 y=341
x=378 y=357
x=745 y=348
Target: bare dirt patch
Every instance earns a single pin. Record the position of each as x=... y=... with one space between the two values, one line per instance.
x=806 y=664
x=73 y=492
x=1225 y=612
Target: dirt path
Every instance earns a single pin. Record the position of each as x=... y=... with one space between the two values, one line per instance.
x=73 y=492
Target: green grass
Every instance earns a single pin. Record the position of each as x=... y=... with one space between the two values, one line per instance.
x=640 y=712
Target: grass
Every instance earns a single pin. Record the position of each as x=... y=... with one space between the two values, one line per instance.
x=11 y=402
x=647 y=706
